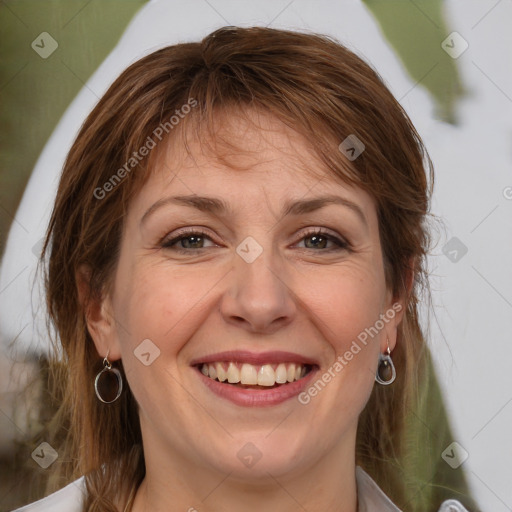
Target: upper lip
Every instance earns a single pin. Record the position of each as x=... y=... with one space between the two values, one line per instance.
x=256 y=358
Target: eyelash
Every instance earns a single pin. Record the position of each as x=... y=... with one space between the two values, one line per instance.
x=168 y=244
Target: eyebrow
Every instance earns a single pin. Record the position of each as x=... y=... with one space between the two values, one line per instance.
x=219 y=207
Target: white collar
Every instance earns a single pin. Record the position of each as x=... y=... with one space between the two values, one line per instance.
x=370 y=496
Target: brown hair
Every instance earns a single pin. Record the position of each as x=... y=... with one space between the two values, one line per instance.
x=323 y=91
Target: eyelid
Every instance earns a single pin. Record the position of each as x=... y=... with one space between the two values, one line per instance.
x=182 y=233
x=340 y=241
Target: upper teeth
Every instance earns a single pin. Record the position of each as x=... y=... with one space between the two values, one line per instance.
x=264 y=375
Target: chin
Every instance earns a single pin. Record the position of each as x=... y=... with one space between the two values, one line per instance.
x=260 y=455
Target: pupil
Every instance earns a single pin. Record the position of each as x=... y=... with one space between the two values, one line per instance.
x=317 y=241
x=190 y=242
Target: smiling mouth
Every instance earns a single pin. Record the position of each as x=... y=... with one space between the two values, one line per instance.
x=250 y=376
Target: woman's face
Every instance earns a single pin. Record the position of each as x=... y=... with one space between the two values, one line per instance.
x=249 y=267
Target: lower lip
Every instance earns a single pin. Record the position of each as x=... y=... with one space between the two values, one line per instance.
x=258 y=397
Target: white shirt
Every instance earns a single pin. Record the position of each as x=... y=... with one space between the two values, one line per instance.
x=369 y=495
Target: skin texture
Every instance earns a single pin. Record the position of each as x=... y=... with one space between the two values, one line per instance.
x=296 y=296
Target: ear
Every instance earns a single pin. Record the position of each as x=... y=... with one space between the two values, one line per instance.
x=98 y=315
x=397 y=306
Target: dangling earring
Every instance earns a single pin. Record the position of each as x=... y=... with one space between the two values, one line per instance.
x=105 y=380
x=386 y=372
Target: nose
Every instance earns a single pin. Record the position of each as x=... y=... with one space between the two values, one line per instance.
x=257 y=298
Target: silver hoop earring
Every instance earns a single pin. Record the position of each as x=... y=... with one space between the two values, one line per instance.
x=386 y=372
x=109 y=381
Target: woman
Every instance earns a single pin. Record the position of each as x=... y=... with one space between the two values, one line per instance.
x=235 y=257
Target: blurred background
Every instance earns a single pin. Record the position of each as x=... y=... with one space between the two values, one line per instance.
x=447 y=62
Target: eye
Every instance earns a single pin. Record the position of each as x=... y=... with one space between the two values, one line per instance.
x=195 y=240
x=187 y=241
x=319 y=239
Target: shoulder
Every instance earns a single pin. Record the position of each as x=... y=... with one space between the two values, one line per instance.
x=67 y=499
x=371 y=498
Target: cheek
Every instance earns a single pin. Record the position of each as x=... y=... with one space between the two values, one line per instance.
x=345 y=303
x=156 y=313
x=161 y=304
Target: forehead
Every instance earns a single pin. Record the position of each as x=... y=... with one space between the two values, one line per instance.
x=247 y=139
x=241 y=154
